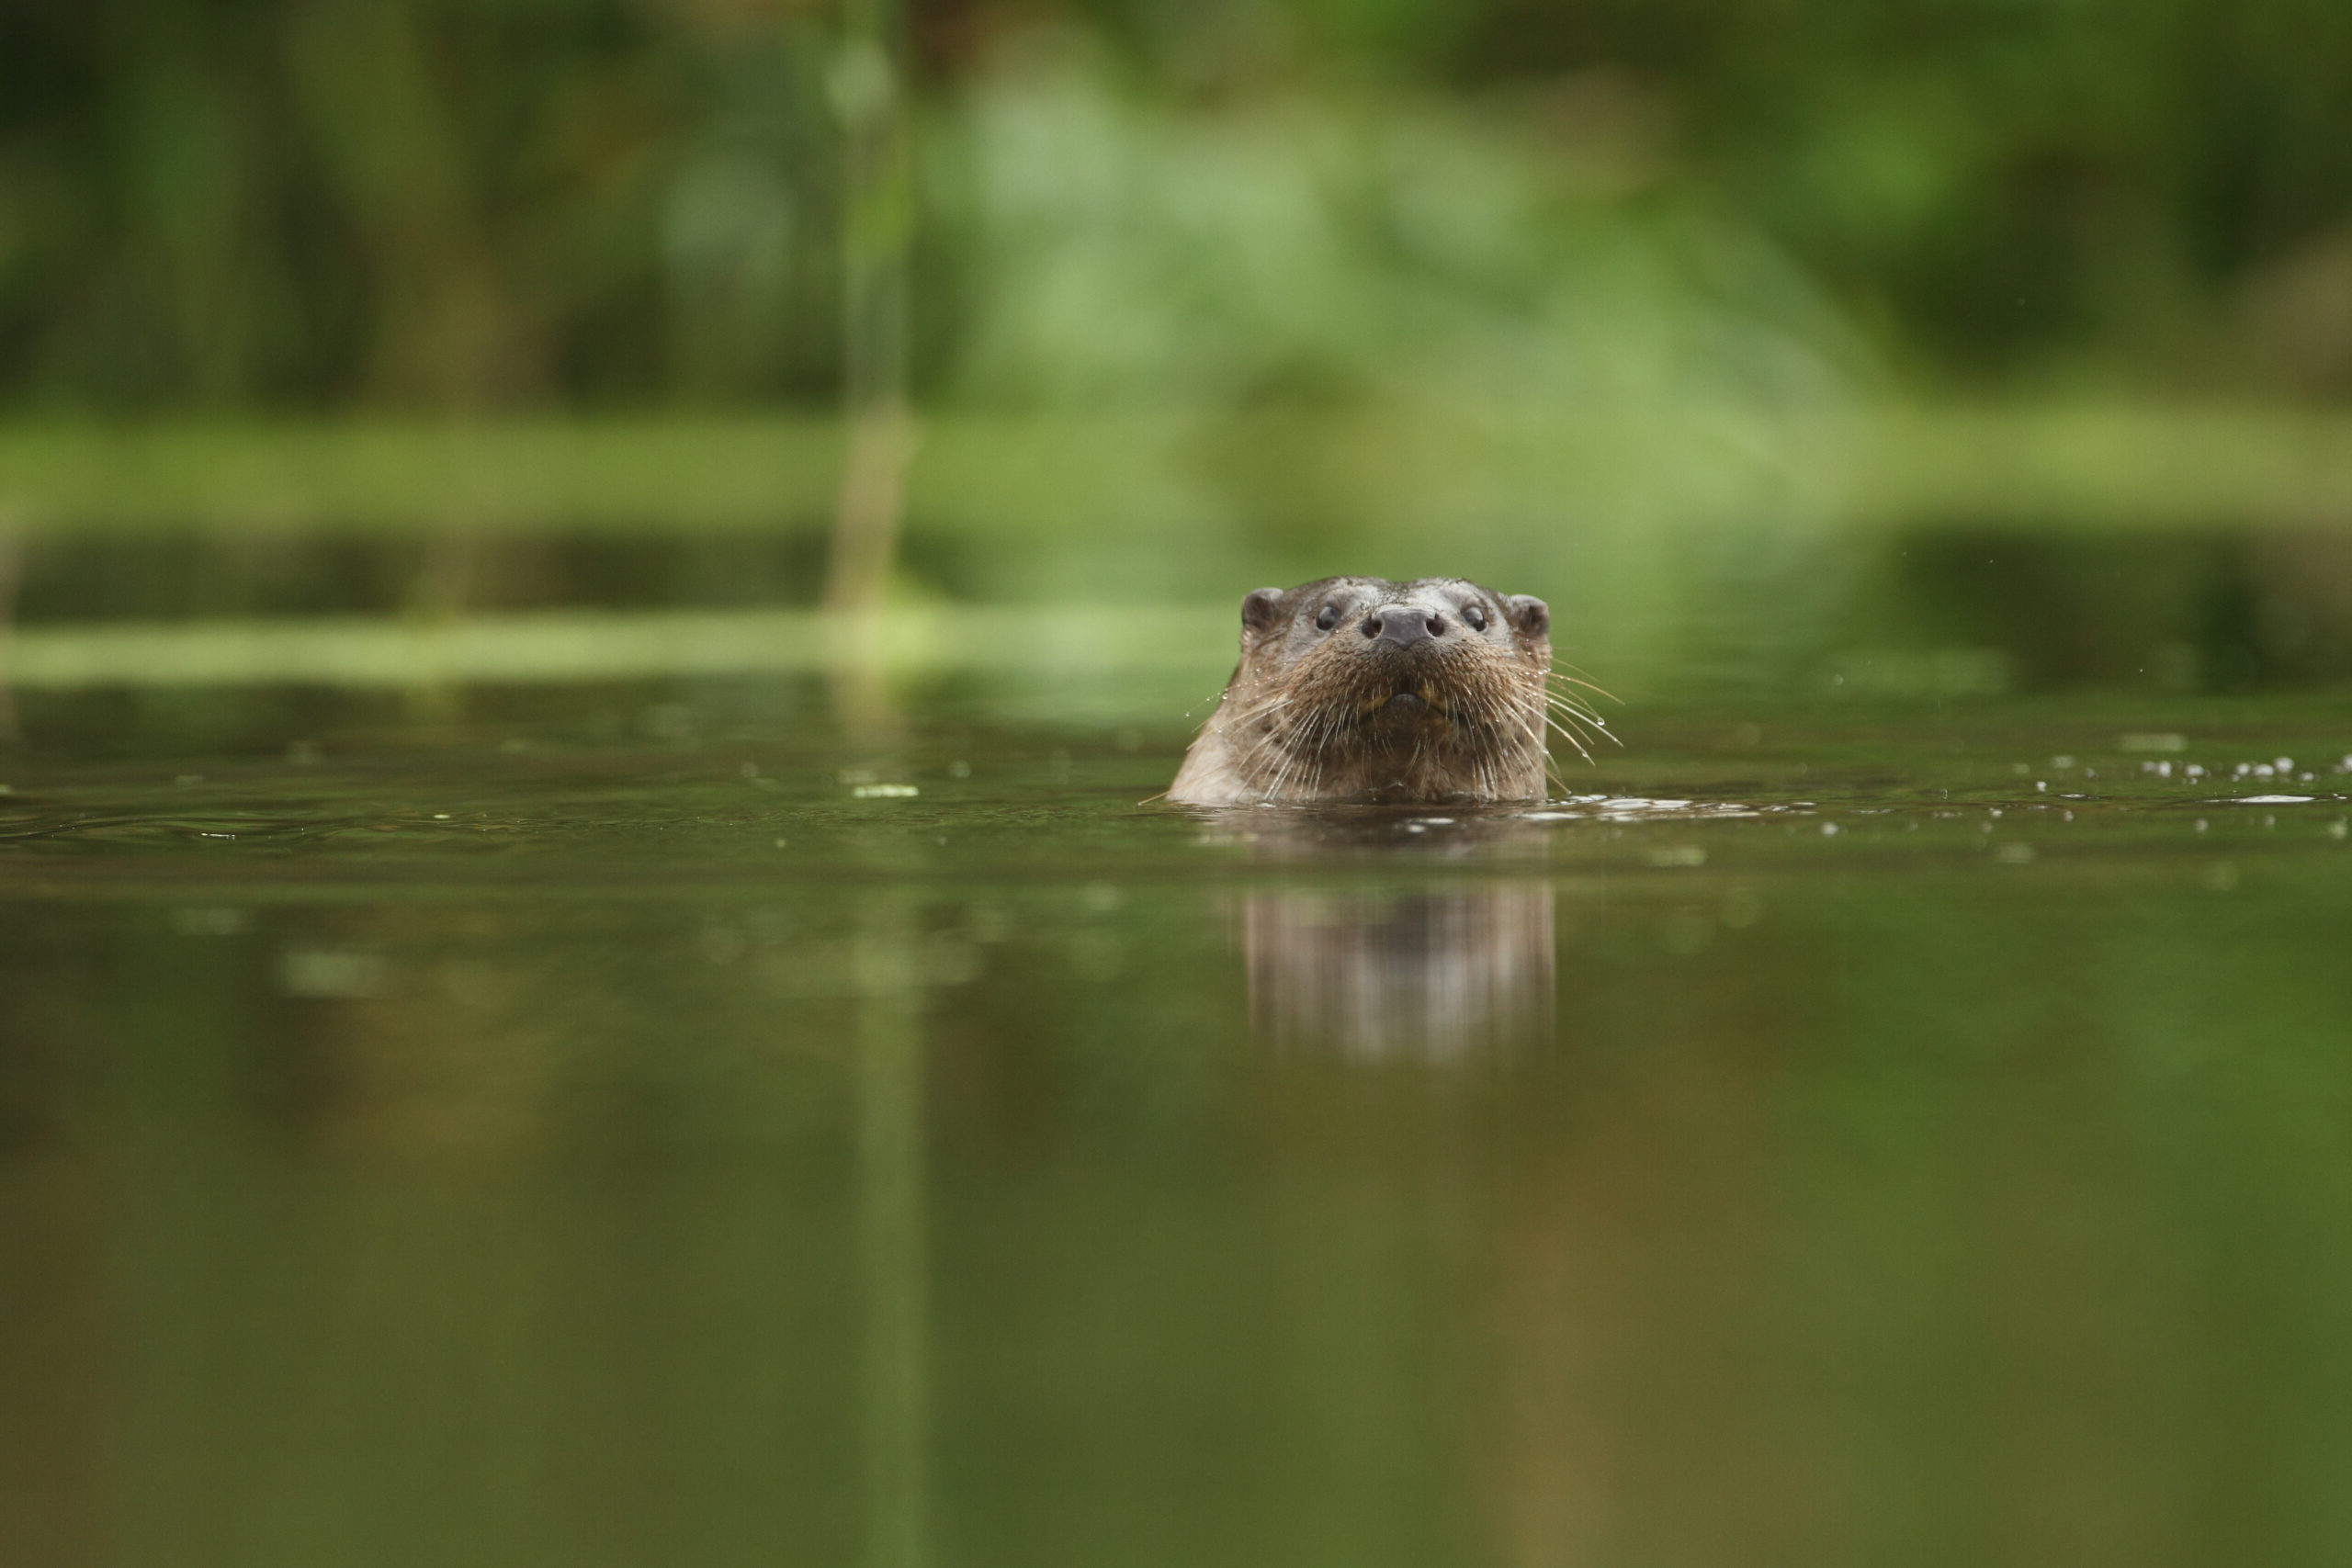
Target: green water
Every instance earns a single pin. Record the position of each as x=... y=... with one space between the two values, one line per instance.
x=660 y=1126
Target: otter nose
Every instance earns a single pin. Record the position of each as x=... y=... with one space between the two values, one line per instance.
x=1403 y=624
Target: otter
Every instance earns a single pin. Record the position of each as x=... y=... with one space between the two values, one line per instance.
x=1360 y=689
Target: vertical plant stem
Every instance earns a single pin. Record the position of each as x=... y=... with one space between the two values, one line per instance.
x=878 y=215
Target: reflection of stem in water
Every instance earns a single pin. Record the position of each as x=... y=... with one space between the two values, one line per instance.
x=9 y=568
x=891 y=1233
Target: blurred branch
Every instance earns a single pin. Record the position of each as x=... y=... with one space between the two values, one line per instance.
x=1367 y=477
x=444 y=331
x=392 y=653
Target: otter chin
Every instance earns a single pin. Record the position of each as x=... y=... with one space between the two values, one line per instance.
x=1360 y=689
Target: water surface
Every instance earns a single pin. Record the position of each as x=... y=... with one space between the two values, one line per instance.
x=657 y=1124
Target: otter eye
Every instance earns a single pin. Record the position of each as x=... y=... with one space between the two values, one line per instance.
x=1327 y=619
x=1474 y=616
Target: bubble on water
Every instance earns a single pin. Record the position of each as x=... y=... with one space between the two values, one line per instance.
x=959 y=769
x=2061 y=762
x=2013 y=854
x=884 y=792
x=2202 y=824
x=2284 y=764
x=1829 y=829
x=2275 y=800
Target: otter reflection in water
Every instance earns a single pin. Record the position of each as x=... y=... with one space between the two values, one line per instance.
x=1434 y=975
x=1357 y=688
x=1436 y=972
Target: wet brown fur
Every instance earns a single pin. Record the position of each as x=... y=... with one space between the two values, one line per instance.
x=1338 y=715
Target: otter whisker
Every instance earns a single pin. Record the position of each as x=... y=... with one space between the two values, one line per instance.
x=1568 y=725
x=1582 y=714
x=1571 y=737
x=1578 y=680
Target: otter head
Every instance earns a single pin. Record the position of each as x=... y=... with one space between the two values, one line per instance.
x=1357 y=688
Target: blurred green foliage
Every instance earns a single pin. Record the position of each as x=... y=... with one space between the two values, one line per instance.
x=437 y=204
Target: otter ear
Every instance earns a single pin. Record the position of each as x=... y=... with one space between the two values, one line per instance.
x=1260 y=609
x=1529 y=615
